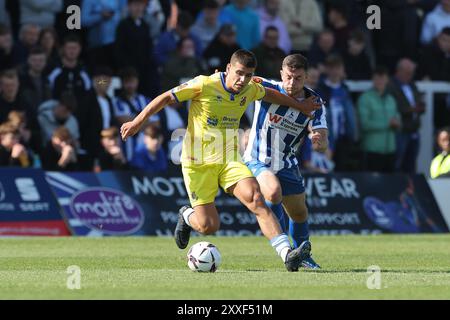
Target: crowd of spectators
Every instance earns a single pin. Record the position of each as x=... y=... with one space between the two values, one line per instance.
x=58 y=110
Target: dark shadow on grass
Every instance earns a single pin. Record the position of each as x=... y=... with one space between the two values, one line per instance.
x=382 y=271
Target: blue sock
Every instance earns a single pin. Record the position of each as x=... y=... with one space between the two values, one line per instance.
x=279 y=213
x=299 y=232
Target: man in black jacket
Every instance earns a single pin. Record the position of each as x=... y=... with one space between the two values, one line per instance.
x=96 y=114
x=133 y=48
x=71 y=75
x=410 y=107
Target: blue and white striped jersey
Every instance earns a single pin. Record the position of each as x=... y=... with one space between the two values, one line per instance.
x=277 y=131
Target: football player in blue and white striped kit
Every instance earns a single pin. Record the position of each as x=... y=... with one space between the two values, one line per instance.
x=275 y=137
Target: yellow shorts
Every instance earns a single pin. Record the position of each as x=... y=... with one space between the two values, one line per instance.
x=202 y=181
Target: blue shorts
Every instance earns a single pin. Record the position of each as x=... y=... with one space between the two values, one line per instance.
x=291 y=180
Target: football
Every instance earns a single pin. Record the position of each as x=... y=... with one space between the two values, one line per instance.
x=204 y=257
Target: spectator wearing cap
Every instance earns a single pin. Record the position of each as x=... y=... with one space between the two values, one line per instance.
x=379 y=121
x=101 y=18
x=269 y=16
x=440 y=166
x=269 y=55
x=218 y=53
x=134 y=48
x=357 y=63
x=111 y=156
x=38 y=12
x=60 y=152
x=70 y=75
x=340 y=114
x=167 y=42
x=410 y=106
x=149 y=154
x=53 y=114
x=208 y=25
x=303 y=19
x=96 y=114
x=246 y=21
x=435 y=22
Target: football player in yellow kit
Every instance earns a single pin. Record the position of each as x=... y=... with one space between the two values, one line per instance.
x=210 y=155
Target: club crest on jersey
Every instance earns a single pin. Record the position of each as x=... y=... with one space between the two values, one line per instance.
x=291 y=115
x=243 y=101
x=219 y=99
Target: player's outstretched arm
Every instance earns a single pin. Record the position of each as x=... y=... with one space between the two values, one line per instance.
x=306 y=106
x=130 y=128
x=319 y=140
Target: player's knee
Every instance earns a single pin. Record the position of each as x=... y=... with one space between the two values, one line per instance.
x=257 y=201
x=274 y=196
x=208 y=227
x=301 y=214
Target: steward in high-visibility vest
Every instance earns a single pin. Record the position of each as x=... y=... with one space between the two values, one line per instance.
x=441 y=163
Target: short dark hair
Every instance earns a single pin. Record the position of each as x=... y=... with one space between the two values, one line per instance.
x=128 y=73
x=446 y=31
x=270 y=28
x=4 y=29
x=381 y=71
x=185 y=20
x=444 y=129
x=110 y=133
x=211 y=4
x=152 y=131
x=334 y=60
x=71 y=37
x=102 y=71
x=357 y=36
x=244 y=57
x=295 y=61
x=36 y=50
x=9 y=74
x=68 y=100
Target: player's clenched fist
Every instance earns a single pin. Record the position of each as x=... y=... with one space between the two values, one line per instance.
x=128 y=129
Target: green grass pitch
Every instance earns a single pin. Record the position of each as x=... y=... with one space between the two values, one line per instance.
x=412 y=267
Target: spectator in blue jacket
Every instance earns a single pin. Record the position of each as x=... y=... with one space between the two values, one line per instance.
x=167 y=42
x=101 y=18
x=246 y=21
x=150 y=155
x=340 y=113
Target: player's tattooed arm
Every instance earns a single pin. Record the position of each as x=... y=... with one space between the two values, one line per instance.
x=130 y=128
x=319 y=140
x=306 y=106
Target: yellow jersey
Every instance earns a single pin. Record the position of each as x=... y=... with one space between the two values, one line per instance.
x=214 y=115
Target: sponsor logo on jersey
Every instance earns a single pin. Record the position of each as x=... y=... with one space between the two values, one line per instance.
x=275 y=118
